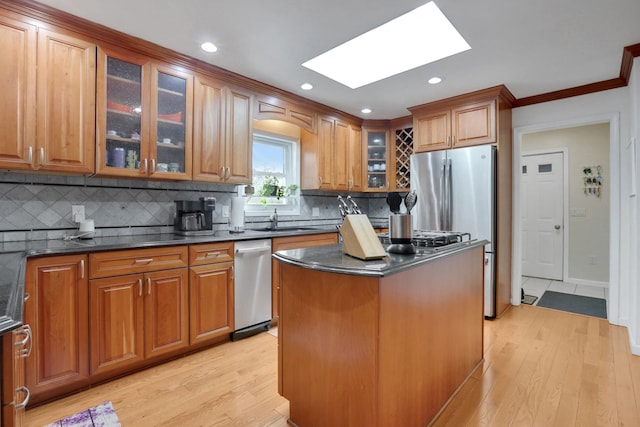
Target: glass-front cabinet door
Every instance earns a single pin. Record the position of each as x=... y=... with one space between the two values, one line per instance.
x=144 y=119
x=171 y=101
x=376 y=155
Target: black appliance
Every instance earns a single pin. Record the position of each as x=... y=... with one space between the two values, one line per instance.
x=194 y=217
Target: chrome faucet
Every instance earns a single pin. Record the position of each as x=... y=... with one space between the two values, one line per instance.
x=274 y=219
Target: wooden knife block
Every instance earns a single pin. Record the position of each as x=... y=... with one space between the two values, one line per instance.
x=359 y=239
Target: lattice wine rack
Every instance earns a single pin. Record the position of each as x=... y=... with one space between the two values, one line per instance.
x=404 y=149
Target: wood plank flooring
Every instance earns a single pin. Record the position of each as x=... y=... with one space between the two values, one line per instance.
x=542 y=368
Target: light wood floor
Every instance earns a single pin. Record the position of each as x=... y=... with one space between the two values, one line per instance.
x=541 y=368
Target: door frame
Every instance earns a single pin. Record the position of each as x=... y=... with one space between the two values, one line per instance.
x=565 y=204
x=613 y=303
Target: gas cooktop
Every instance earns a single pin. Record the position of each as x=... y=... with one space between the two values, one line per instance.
x=430 y=239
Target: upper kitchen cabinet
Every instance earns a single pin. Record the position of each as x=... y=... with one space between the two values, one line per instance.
x=331 y=159
x=452 y=126
x=376 y=152
x=222 y=132
x=48 y=111
x=144 y=118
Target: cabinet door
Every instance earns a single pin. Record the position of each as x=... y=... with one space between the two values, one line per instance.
x=433 y=131
x=340 y=158
x=122 y=140
x=325 y=153
x=57 y=311
x=166 y=318
x=18 y=88
x=171 y=123
x=376 y=151
x=209 y=131
x=116 y=322
x=474 y=124
x=355 y=159
x=66 y=107
x=239 y=136
x=211 y=301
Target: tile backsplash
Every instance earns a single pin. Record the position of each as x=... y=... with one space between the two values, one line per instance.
x=38 y=207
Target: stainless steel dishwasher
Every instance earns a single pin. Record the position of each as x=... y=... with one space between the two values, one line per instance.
x=252 y=287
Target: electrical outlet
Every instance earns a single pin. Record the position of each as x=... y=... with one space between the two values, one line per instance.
x=77 y=213
x=225 y=211
x=315 y=211
x=592 y=260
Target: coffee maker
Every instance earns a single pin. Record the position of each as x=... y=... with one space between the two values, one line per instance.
x=194 y=217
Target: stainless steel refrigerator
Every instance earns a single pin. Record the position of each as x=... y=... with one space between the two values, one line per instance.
x=456 y=192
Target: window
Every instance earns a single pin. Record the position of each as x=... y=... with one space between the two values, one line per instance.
x=275 y=159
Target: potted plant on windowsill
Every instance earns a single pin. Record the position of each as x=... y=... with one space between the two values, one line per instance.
x=270 y=187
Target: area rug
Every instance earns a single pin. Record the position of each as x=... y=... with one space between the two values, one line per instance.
x=102 y=415
x=579 y=304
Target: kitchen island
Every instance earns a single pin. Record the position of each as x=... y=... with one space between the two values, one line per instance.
x=377 y=343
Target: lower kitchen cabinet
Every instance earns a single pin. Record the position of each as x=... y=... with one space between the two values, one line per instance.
x=58 y=312
x=211 y=297
x=16 y=347
x=292 y=242
x=137 y=317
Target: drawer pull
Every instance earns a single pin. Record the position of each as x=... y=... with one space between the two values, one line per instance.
x=82 y=269
x=26 y=296
x=144 y=261
x=42 y=157
x=28 y=339
x=30 y=156
x=148 y=285
x=26 y=398
x=139 y=287
x=212 y=254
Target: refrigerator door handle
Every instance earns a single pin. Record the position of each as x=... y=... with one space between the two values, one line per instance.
x=448 y=197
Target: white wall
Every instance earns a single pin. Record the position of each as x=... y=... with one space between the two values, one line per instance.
x=587 y=235
x=614 y=106
x=633 y=208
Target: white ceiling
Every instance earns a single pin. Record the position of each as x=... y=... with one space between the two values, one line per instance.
x=532 y=47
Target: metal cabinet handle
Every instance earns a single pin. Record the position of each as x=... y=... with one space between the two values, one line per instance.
x=222 y=172
x=42 y=156
x=26 y=398
x=139 y=287
x=453 y=140
x=28 y=339
x=82 y=269
x=228 y=172
x=153 y=165
x=26 y=297
x=143 y=260
x=146 y=165
x=557 y=226
x=212 y=254
x=320 y=180
x=148 y=285
x=30 y=156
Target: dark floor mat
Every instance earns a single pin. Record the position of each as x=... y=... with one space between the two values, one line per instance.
x=589 y=306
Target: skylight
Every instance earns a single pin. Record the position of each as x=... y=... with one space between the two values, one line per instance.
x=416 y=38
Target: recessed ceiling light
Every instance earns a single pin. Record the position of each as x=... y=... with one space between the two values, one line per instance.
x=416 y=38
x=434 y=80
x=209 y=47
x=306 y=86
x=366 y=110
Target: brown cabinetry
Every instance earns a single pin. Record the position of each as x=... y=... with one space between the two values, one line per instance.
x=16 y=347
x=48 y=110
x=292 y=242
x=440 y=127
x=222 y=132
x=330 y=160
x=57 y=311
x=144 y=117
x=211 y=310
x=140 y=315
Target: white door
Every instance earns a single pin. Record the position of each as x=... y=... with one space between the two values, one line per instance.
x=542 y=195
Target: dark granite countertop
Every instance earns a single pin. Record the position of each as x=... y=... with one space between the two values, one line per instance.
x=332 y=259
x=13 y=257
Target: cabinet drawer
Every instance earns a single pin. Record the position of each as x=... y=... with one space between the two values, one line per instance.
x=210 y=253
x=116 y=263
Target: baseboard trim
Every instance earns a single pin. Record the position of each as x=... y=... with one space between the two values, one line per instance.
x=585 y=282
